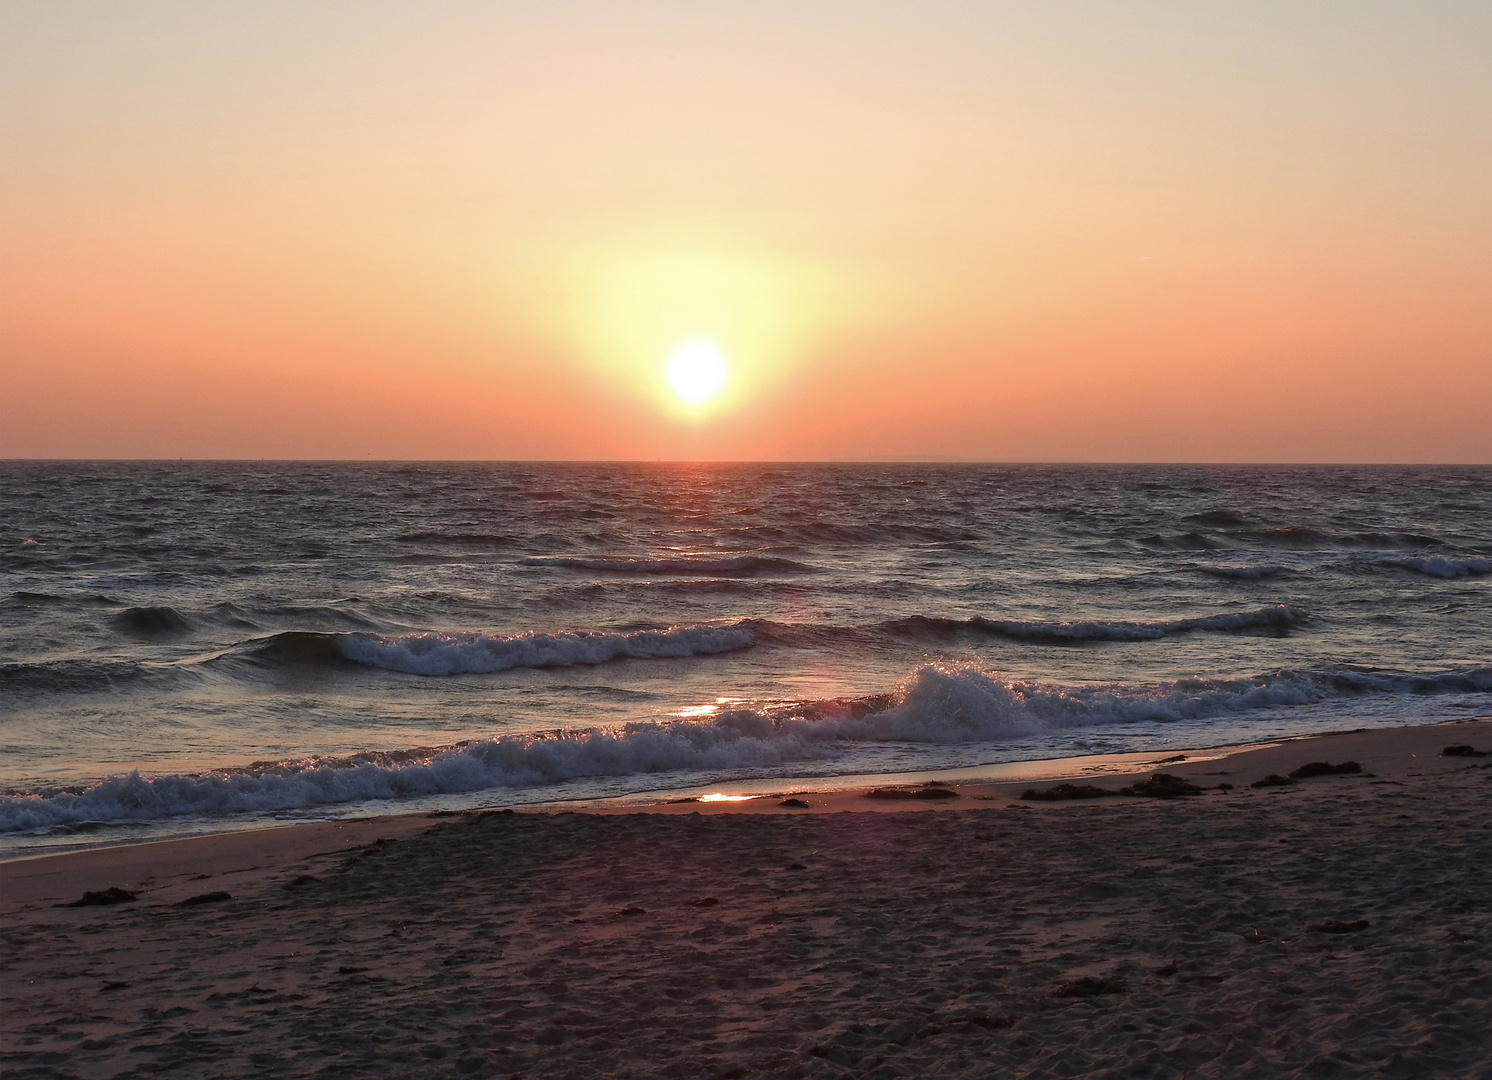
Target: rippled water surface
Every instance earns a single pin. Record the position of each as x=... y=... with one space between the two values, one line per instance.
x=184 y=645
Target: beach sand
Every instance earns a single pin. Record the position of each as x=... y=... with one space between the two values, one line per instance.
x=974 y=936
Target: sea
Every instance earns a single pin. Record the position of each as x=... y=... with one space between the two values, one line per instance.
x=188 y=647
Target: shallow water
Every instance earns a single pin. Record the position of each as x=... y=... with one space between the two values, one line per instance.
x=189 y=645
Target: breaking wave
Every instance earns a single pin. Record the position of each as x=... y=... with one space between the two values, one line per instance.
x=464 y=654
x=934 y=704
x=1278 y=621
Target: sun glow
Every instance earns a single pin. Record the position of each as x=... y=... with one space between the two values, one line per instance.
x=696 y=372
x=699 y=329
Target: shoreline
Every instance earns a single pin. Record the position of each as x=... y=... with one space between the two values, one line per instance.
x=274 y=846
x=1039 y=769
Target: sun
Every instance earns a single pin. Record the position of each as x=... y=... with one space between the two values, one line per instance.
x=696 y=372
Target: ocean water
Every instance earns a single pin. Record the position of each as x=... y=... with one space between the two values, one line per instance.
x=194 y=646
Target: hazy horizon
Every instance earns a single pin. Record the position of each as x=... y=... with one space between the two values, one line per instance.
x=751 y=461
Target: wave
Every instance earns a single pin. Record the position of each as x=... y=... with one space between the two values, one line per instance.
x=1276 y=621
x=934 y=704
x=459 y=539
x=732 y=566
x=1288 y=536
x=826 y=532
x=810 y=534
x=294 y=648
x=1245 y=573
x=1217 y=518
x=1394 y=540
x=1301 y=536
x=332 y=616
x=1441 y=567
x=151 y=623
x=232 y=615
x=24 y=599
x=70 y=676
x=1189 y=541
x=465 y=654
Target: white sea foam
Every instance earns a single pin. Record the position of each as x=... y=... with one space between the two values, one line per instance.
x=934 y=704
x=452 y=654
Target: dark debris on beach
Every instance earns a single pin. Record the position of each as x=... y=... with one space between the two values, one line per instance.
x=112 y=895
x=1059 y=792
x=927 y=791
x=1307 y=771
x=1157 y=786
x=1464 y=750
x=1273 y=780
x=1324 y=768
x=1162 y=786
x=204 y=898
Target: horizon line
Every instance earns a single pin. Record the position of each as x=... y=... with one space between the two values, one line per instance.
x=930 y=461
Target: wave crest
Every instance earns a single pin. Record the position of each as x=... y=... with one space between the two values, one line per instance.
x=1441 y=566
x=1245 y=573
x=458 y=654
x=152 y=623
x=1277 y=621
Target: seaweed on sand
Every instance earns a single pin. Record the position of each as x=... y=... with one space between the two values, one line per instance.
x=928 y=791
x=1324 y=768
x=1273 y=780
x=112 y=895
x=1162 y=786
x=1059 y=792
x=1463 y=750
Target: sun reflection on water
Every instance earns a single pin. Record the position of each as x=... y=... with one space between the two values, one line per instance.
x=692 y=712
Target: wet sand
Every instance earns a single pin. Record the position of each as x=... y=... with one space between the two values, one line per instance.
x=982 y=935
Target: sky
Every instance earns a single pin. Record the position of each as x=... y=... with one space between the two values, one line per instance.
x=950 y=230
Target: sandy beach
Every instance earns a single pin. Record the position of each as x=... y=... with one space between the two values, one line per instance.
x=1336 y=926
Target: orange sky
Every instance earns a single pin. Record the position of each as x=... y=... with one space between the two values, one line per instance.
x=960 y=230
